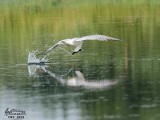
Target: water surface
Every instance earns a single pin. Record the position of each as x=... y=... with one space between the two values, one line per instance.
x=133 y=62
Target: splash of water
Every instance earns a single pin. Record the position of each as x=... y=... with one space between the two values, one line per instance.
x=33 y=60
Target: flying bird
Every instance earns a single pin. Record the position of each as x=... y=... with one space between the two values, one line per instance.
x=78 y=42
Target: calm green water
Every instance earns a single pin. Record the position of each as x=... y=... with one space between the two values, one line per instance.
x=130 y=67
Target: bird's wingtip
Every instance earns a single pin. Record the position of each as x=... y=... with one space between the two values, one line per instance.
x=120 y=40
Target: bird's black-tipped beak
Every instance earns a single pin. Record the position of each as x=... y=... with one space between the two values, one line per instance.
x=76 y=52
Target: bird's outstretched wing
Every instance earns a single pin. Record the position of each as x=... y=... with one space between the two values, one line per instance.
x=53 y=47
x=96 y=37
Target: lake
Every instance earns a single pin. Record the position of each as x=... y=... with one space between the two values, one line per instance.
x=105 y=81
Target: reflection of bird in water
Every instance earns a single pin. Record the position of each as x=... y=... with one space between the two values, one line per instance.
x=76 y=81
x=77 y=42
x=36 y=69
x=79 y=80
